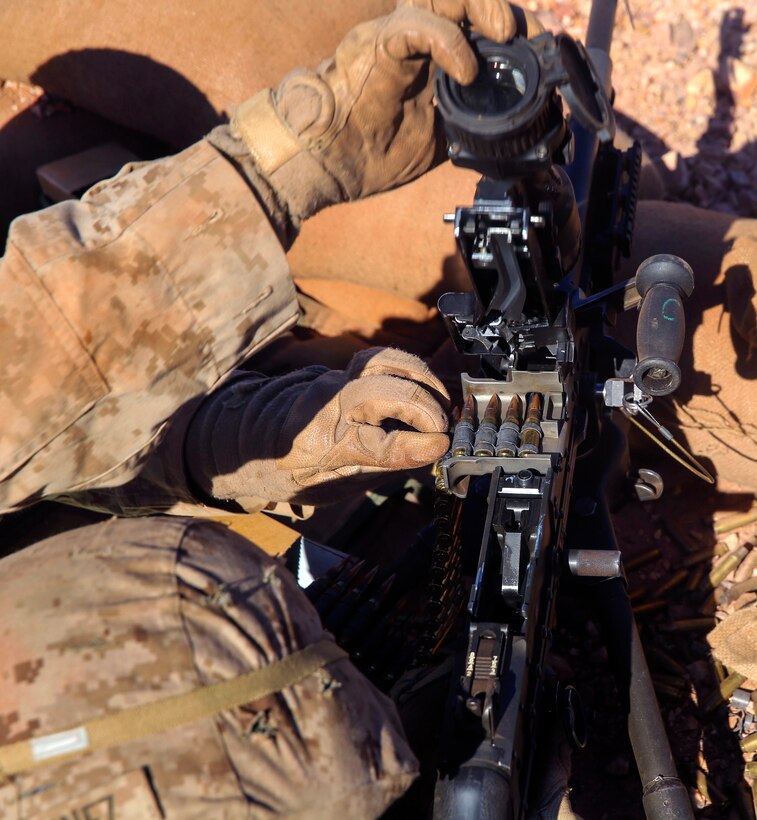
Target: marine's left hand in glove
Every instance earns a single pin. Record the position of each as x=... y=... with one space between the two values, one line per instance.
x=317 y=435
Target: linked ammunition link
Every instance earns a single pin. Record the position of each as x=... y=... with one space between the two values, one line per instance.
x=367 y=619
x=445 y=591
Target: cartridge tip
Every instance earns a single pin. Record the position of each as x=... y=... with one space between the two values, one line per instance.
x=469 y=409
x=491 y=414
x=514 y=410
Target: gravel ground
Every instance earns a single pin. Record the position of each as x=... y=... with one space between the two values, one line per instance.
x=686 y=84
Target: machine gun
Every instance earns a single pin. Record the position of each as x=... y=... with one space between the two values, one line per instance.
x=521 y=508
x=522 y=493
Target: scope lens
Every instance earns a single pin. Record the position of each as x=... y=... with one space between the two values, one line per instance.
x=497 y=89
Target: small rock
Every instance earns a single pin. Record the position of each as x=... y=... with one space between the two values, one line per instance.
x=702 y=84
x=598 y=657
x=741 y=80
x=682 y=36
x=618 y=766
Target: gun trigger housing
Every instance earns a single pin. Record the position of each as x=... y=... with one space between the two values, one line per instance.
x=486 y=649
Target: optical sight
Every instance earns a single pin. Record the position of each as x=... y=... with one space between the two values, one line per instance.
x=509 y=121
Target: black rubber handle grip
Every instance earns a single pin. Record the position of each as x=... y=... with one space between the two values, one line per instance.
x=662 y=281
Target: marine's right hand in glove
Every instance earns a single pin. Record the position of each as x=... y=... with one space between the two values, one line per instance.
x=316 y=435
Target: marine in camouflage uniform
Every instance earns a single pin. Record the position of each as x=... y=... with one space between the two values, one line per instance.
x=166 y=667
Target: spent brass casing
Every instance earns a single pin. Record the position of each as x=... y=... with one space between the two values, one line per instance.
x=750 y=769
x=666 y=691
x=678 y=535
x=650 y=606
x=531 y=432
x=671 y=680
x=749 y=743
x=666 y=661
x=709 y=789
x=508 y=435
x=747 y=568
x=486 y=435
x=462 y=440
x=735 y=521
x=721 y=673
x=727 y=565
x=689 y=625
x=727 y=688
x=674 y=580
x=697 y=557
x=642 y=559
x=731 y=684
x=696 y=579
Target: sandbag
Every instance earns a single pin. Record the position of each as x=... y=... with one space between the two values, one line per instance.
x=171 y=68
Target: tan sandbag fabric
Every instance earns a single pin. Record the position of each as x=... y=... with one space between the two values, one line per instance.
x=109 y=617
x=169 y=68
x=734 y=642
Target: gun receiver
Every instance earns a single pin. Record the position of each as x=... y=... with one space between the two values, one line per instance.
x=537 y=335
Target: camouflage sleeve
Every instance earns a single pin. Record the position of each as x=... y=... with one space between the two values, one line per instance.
x=119 y=311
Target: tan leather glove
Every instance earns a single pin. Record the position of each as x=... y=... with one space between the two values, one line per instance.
x=364 y=121
x=317 y=435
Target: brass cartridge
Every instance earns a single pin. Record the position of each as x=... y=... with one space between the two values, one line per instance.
x=486 y=434
x=531 y=432
x=462 y=440
x=509 y=432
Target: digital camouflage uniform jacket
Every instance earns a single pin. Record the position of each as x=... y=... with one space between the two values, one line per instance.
x=122 y=310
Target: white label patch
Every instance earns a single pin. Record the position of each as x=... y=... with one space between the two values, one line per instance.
x=62 y=743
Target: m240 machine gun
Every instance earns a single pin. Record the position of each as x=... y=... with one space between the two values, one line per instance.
x=535 y=444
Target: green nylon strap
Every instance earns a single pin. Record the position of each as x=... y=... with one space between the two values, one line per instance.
x=176 y=710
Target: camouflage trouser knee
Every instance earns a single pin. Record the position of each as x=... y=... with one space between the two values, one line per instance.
x=104 y=619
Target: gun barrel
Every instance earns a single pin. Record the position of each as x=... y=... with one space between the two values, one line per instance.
x=601 y=24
